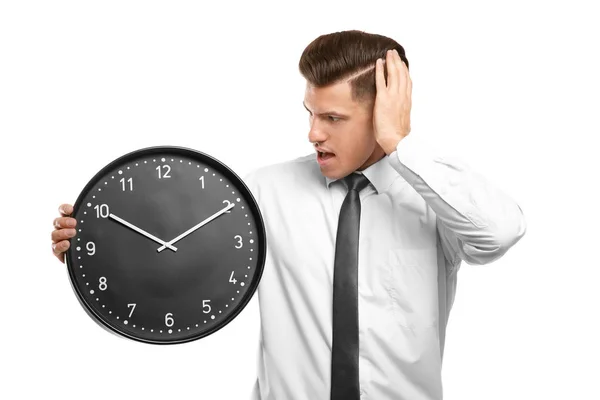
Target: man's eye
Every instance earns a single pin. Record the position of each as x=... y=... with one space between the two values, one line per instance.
x=332 y=118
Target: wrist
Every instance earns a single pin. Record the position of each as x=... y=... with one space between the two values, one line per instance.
x=389 y=146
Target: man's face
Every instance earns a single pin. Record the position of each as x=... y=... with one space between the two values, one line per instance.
x=343 y=128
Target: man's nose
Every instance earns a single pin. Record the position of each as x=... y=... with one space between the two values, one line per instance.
x=316 y=134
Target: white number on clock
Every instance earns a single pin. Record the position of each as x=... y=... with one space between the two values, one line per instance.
x=239 y=239
x=205 y=305
x=103 y=285
x=169 y=321
x=91 y=248
x=232 y=279
x=202 y=180
x=132 y=305
x=166 y=174
x=130 y=180
x=102 y=211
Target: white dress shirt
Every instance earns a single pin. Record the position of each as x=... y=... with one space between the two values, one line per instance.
x=421 y=215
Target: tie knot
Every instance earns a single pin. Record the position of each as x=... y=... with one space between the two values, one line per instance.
x=356 y=181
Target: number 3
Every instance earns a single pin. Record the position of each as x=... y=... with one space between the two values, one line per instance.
x=239 y=238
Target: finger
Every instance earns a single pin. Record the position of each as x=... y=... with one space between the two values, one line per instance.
x=65 y=209
x=402 y=76
x=408 y=85
x=379 y=76
x=64 y=222
x=62 y=234
x=58 y=249
x=391 y=71
x=408 y=80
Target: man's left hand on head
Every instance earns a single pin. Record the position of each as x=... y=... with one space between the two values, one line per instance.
x=391 y=111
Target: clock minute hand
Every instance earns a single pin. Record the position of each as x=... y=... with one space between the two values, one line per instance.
x=140 y=230
x=195 y=227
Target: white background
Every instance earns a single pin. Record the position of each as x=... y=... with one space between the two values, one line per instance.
x=512 y=87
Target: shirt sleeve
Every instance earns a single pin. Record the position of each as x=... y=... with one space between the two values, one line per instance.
x=251 y=182
x=476 y=221
x=255 y=393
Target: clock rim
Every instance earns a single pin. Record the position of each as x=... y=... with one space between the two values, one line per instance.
x=247 y=195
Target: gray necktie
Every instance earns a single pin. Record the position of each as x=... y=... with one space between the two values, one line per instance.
x=344 y=356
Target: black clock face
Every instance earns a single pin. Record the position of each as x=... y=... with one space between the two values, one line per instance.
x=170 y=245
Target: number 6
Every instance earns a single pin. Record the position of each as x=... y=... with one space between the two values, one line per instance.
x=169 y=321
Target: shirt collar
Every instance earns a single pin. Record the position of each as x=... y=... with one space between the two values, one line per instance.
x=381 y=174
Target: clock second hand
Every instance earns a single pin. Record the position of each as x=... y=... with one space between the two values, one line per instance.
x=193 y=228
x=140 y=230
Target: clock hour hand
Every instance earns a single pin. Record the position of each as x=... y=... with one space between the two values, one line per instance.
x=195 y=227
x=140 y=230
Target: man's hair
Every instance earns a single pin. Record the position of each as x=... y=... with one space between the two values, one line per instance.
x=347 y=55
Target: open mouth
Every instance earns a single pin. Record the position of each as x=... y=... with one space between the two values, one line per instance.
x=323 y=156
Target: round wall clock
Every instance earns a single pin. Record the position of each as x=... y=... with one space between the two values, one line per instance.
x=170 y=245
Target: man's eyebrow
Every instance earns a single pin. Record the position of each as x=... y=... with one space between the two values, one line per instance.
x=331 y=112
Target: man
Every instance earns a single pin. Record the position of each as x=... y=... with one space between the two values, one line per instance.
x=378 y=334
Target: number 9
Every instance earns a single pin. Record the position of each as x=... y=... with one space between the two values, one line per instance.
x=91 y=248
